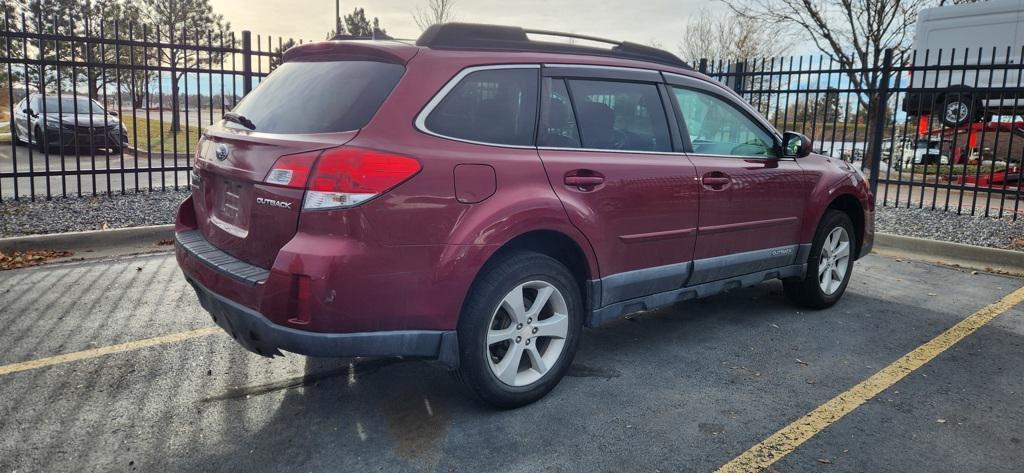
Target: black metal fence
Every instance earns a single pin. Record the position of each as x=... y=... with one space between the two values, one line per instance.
x=939 y=129
x=114 y=108
x=165 y=86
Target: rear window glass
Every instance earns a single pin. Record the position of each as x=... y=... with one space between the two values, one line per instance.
x=319 y=97
x=494 y=106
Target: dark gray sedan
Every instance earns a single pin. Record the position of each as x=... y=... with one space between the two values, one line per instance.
x=66 y=122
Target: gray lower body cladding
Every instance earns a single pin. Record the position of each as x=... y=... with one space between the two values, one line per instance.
x=621 y=294
x=261 y=336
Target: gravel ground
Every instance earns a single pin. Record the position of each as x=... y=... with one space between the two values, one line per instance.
x=948 y=226
x=153 y=208
x=73 y=214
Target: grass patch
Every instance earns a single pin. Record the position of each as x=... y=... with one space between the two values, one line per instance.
x=155 y=137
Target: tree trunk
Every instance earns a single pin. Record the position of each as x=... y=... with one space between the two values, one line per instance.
x=92 y=80
x=175 y=106
x=875 y=127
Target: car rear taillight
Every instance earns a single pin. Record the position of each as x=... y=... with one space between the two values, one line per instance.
x=292 y=170
x=347 y=176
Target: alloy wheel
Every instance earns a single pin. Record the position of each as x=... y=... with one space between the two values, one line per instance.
x=834 y=261
x=956 y=112
x=526 y=335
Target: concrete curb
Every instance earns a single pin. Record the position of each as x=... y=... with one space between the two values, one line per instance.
x=968 y=256
x=168 y=154
x=133 y=237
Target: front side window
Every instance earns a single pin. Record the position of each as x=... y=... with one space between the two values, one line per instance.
x=620 y=115
x=497 y=106
x=716 y=127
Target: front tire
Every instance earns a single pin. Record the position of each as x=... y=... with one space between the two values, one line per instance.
x=829 y=265
x=14 y=134
x=519 y=329
x=40 y=140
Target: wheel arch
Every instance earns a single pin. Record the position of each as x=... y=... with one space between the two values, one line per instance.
x=560 y=247
x=852 y=207
x=567 y=247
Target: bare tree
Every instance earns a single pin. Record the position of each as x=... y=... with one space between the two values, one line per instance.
x=853 y=33
x=729 y=37
x=435 y=11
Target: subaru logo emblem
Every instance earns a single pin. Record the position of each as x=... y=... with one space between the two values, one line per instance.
x=222 y=152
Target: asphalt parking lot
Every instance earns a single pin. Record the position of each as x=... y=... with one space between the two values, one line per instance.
x=684 y=389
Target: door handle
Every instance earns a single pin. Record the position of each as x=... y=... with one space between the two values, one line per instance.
x=583 y=181
x=715 y=180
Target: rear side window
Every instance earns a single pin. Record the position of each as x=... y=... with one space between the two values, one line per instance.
x=620 y=115
x=557 y=122
x=496 y=106
x=319 y=97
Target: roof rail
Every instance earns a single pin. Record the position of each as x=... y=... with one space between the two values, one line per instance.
x=513 y=38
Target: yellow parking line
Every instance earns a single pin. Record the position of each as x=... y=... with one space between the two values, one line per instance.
x=781 y=443
x=95 y=352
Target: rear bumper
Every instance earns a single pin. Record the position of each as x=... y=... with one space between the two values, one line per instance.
x=261 y=336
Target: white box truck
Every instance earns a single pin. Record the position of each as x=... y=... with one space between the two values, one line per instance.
x=978 y=49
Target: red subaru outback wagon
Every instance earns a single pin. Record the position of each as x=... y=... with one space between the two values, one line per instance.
x=480 y=196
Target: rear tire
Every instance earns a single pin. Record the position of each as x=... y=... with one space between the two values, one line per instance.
x=513 y=353
x=829 y=265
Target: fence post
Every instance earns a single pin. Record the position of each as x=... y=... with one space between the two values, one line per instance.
x=735 y=78
x=879 y=120
x=702 y=66
x=246 y=62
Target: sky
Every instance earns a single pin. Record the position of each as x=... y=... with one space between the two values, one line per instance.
x=648 y=20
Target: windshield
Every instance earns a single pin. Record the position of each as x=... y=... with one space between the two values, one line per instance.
x=318 y=97
x=69 y=104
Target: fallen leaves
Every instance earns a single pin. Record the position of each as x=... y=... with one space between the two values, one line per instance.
x=24 y=259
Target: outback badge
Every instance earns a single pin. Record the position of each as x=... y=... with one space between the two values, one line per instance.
x=273 y=203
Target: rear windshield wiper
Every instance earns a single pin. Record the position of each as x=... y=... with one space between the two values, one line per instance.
x=240 y=119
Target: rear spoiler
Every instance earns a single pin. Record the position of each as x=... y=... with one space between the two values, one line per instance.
x=385 y=51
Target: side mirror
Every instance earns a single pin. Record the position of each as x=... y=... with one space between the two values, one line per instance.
x=795 y=145
x=28 y=111
x=112 y=113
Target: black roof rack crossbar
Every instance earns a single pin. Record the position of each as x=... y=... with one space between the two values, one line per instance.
x=513 y=38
